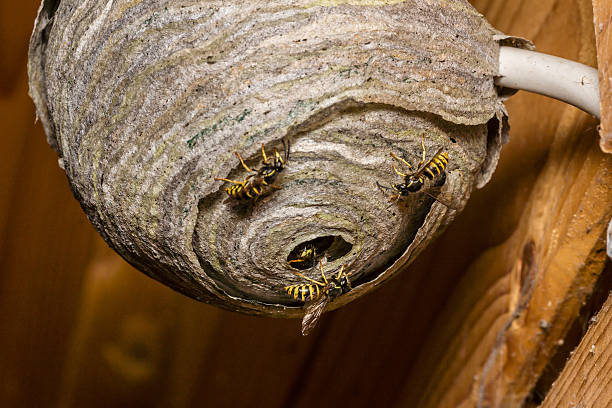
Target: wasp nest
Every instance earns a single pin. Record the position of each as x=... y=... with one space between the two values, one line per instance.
x=147 y=102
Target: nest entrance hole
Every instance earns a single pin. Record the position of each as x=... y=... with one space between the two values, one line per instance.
x=307 y=254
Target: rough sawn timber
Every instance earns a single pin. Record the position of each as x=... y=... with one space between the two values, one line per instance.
x=518 y=298
x=602 y=13
x=586 y=377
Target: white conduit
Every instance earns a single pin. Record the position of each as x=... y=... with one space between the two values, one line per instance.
x=558 y=78
x=567 y=81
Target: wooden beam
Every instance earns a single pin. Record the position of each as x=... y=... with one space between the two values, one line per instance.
x=602 y=13
x=518 y=298
x=585 y=380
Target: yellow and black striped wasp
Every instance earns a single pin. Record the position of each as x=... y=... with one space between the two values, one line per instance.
x=317 y=295
x=305 y=258
x=270 y=169
x=434 y=169
x=253 y=185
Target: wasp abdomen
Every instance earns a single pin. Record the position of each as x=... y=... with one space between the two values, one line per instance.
x=253 y=186
x=436 y=165
x=243 y=191
x=303 y=292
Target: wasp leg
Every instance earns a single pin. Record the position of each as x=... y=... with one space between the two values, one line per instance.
x=423 y=147
x=400 y=159
x=340 y=273
x=322 y=274
x=286 y=147
x=263 y=154
x=309 y=279
x=274 y=186
x=397 y=171
x=442 y=201
x=243 y=163
x=230 y=181
x=383 y=188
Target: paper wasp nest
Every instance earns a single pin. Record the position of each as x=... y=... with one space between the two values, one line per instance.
x=146 y=103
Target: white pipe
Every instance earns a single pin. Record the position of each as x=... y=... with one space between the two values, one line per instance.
x=567 y=81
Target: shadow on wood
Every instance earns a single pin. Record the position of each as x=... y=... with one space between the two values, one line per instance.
x=472 y=322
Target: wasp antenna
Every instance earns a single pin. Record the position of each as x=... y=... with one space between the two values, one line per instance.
x=382 y=188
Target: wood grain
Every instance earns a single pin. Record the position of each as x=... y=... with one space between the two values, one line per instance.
x=45 y=241
x=602 y=13
x=82 y=328
x=138 y=343
x=585 y=380
x=519 y=297
x=177 y=224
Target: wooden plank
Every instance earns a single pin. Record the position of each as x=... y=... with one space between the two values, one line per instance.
x=366 y=348
x=136 y=342
x=253 y=361
x=15 y=28
x=102 y=334
x=602 y=12
x=139 y=343
x=519 y=297
x=45 y=242
x=586 y=378
x=44 y=238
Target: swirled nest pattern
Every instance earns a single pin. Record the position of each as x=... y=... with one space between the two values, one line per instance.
x=146 y=103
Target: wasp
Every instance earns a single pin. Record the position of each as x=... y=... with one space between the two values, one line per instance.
x=317 y=295
x=253 y=185
x=434 y=169
x=306 y=257
x=270 y=169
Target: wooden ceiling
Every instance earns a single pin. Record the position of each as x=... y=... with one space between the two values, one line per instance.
x=474 y=320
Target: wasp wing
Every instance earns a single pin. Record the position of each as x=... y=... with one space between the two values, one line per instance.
x=424 y=165
x=313 y=312
x=435 y=193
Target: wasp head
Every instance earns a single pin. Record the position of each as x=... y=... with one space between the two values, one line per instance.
x=411 y=184
x=401 y=188
x=339 y=284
